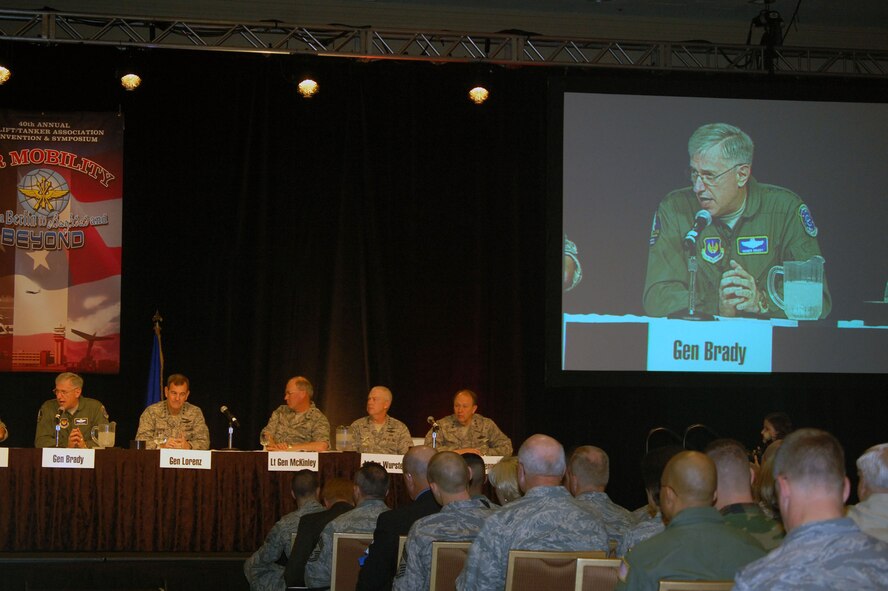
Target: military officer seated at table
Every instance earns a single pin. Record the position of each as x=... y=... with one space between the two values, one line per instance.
x=379 y=433
x=75 y=415
x=297 y=425
x=174 y=423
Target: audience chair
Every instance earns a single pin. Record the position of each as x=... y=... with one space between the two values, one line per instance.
x=448 y=559
x=696 y=585
x=531 y=570
x=347 y=551
x=597 y=574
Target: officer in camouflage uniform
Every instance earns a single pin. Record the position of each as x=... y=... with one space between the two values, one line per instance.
x=823 y=550
x=697 y=544
x=547 y=517
x=754 y=227
x=262 y=569
x=465 y=431
x=174 y=416
x=298 y=425
x=371 y=486
x=588 y=473
x=378 y=433
x=79 y=415
x=459 y=520
x=734 y=500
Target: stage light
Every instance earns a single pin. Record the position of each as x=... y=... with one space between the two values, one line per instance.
x=308 y=87
x=130 y=81
x=5 y=74
x=479 y=94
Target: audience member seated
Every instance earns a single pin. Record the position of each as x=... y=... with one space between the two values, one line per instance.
x=297 y=425
x=547 y=517
x=871 y=513
x=649 y=520
x=822 y=549
x=371 y=486
x=378 y=433
x=734 y=499
x=587 y=475
x=477 y=478
x=764 y=489
x=460 y=519
x=382 y=556
x=338 y=497
x=262 y=569
x=503 y=478
x=697 y=544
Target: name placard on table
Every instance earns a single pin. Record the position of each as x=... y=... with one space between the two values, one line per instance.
x=291 y=461
x=391 y=462
x=4 y=457
x=742 y=345
x=186 y=459
x=490 y=462
x=54 y=457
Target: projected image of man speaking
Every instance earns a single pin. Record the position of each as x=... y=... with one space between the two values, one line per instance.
x=754 y=227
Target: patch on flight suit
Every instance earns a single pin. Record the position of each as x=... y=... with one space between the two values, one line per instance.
x=655 y=229
x=752 y=245
x=81 y=421
x=807 y=220
x=63 y=423
x=712 y=249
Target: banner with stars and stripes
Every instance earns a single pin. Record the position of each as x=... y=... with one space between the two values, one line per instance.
x=61 y=188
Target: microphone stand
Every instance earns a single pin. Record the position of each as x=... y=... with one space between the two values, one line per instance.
x=58 y=427
x=230 y=434
x=690 y=243
x=435 y=436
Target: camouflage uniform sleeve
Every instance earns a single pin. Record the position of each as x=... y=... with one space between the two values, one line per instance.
x=45 y=435
x=404 y=440
x=357 y=433
x=321 y=429
x=318 y=567
x=497 y=442
x=413 y=570
x=665 y=284
x=147 y=427
x=200 y=435
x=258 y=566
x=272 y=427
x=485 y=568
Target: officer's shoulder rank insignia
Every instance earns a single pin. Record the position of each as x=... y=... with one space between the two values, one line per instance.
x=807 y=220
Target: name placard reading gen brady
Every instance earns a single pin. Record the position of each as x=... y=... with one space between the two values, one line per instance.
x=54 y=457
x=291 y=461
x=186 y=459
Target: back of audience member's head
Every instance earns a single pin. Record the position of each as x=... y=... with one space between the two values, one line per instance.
x=872 y=468
x=304 y=484
x=477 y=468
x=542 y=456
x=692 y=476
x=652 y=466
x=338 y=489
x=781 y=423
x=504 y=479
x=764 y=491
x=732 y=463
x=372 y=480
x=448 y=472
x=812 y=458
x=590 y=466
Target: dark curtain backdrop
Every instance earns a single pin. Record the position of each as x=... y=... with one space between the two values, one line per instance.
x=385 y=232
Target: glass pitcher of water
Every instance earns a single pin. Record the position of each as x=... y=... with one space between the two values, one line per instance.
x=802 y=288
x=103 y=435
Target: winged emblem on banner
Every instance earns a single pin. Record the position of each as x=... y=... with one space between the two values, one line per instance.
x=43 y=192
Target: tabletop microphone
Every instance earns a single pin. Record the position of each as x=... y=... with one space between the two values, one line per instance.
x=701 y=219
x=431 y=421
x=230 y=416
x=58 y=415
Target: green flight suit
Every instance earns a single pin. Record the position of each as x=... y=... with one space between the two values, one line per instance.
x=89 y=412
x=776 y=226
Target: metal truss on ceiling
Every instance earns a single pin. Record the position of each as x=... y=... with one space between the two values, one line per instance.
x=508 y=48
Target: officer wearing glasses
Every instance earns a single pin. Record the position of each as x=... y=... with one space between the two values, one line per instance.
x=74 y=414
x=754 y=227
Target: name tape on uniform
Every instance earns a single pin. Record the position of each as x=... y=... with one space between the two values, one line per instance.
x=54 y=457
x=186 y=459
x=393 y=463
x=741 y=345
x=4 y=457
x=291 y=461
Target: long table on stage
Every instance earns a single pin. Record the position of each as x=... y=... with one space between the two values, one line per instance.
x=128 y=503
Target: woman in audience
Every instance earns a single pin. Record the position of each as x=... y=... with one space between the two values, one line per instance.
x=504 y=479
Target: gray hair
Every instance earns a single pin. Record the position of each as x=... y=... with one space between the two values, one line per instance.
x=75 y=379
x=873 y=466
x=812 y=456
x=735 y=147
x=542 y=455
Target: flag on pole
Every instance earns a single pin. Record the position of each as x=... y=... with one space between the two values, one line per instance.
x=155 y=372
